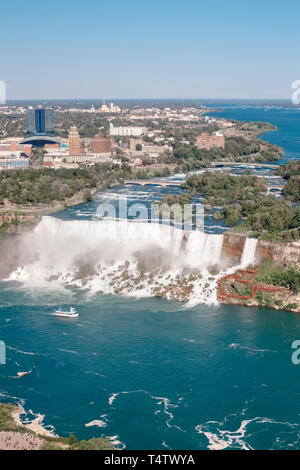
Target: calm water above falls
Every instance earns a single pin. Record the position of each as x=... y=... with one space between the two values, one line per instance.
x=151 y=373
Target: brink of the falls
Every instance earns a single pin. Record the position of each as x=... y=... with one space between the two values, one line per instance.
x=127 y=258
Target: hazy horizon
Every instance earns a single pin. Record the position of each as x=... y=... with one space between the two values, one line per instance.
x=107 y=99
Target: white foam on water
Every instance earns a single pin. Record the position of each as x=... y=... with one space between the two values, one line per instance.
x=221 y=439
x=116 y=442
x=163 y=404
x=97 y=422
x=127 y=258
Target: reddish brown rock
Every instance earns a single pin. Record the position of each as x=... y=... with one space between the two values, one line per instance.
x=233 y=246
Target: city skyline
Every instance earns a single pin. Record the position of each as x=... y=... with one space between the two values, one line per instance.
x=158 y=51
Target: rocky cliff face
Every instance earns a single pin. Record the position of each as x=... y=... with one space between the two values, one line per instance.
x=233 y=246
x=288 y=301
x=14 y=222
x=282 y=252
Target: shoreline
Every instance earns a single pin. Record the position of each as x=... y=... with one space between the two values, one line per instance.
x=34 y=426
x=14 y=435
x=21 y=219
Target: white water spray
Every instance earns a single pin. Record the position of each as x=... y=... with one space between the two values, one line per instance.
x=249 y=252
x=128 y=258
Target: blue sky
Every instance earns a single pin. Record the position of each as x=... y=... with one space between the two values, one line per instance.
x=149 y=48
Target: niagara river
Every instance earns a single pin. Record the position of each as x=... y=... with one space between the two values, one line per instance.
x=147 y=372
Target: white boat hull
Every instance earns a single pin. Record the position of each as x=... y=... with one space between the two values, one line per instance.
x=66 y=315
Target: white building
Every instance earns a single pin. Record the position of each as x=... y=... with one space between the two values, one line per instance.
x=112 y=108
x=55 y=158
x=126 y=131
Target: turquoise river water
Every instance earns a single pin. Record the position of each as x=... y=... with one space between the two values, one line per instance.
x=151 y=373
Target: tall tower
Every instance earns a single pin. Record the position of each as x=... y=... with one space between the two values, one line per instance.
x=40 y=121
x=74 y=141
x=104 y=107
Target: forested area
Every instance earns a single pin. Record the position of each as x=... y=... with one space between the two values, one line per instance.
x=291 y=173
x=237 y=149
x=244 y=202
x=43 y=186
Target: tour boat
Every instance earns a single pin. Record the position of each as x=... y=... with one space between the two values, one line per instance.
x=60 y=312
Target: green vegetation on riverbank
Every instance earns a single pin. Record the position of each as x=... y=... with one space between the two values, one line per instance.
x=172 y=205
x=43 y=186
x=27 y=194
x=243 y=201
x=180 y=199
x=274 y=285
x=8 y=424
x=291 y=173
x=279 y=275
x=10 y=221
x=237 y=149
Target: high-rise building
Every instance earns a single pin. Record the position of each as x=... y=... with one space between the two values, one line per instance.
x=74 y=141
x=40 y=121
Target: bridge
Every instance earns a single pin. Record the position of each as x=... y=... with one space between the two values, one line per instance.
x=170 y=183
x=163 y=184
x=275 y=187
x=256 y=165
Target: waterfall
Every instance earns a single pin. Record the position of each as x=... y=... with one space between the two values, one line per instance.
x=204 y=249
x=200 y=249
x=122 y=257
x=94 y=232
x=249 y=252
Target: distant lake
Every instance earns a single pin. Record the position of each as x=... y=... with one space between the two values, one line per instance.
x=286 y=119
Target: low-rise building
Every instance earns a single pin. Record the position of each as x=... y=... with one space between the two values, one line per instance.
x=101 y=145
x=63 y=159
x=153 y=151
x=13 y=161
x=126 y=131
x=14 y=146
x=207 y=141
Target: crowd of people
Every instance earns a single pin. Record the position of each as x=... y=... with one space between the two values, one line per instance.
x=10 y=440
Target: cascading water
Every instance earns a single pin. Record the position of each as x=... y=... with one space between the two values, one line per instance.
x=204 y=249
x=129 y=258
x=249 y=252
